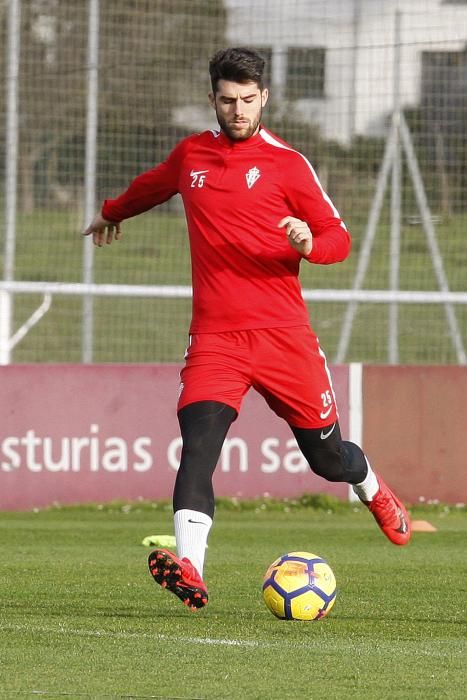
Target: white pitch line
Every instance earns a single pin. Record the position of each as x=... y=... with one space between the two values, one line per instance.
x=357 y=646
x=133 y=635
x=63 y=694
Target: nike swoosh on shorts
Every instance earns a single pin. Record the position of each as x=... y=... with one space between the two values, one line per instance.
x=325 y=414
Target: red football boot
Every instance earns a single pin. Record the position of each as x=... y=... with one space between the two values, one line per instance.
x=178 y=576
x=390 y=514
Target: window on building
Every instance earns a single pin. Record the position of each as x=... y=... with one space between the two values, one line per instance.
x=444 y=78
x=306 y=69
x=266 y=53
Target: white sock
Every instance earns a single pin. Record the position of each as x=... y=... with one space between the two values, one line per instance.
x=191 y=532
x=369 y=487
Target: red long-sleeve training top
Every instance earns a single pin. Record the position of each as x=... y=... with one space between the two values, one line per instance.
x=244 y=271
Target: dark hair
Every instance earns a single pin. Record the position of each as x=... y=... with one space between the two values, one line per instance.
x=240 y=65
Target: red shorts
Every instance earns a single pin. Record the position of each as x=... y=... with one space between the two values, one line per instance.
x=285 y=365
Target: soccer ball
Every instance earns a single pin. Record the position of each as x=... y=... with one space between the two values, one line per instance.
x=299 y=586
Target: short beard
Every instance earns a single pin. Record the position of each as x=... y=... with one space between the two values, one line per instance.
x=234 y=135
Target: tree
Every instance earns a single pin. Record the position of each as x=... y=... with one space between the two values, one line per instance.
x=152 y=57
x=159 y=63
x=51 y=87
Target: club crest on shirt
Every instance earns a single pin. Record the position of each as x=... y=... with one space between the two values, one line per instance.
x=252 y=176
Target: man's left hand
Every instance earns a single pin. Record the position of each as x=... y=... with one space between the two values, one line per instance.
x=298 y=234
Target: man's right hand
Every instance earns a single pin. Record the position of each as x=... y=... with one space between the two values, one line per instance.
x=103 y=231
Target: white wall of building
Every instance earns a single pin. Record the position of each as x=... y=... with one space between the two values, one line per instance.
x=358 y=36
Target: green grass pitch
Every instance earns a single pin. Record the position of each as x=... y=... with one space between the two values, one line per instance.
x=82 y=618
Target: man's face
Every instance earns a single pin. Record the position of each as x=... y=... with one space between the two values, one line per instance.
x=238 y=107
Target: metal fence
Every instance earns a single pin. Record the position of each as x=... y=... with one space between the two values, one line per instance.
x=373 y=92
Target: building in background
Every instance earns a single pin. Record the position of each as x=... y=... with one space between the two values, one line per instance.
x=332 y=61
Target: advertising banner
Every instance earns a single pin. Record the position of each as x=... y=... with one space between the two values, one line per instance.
x=98 y=433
